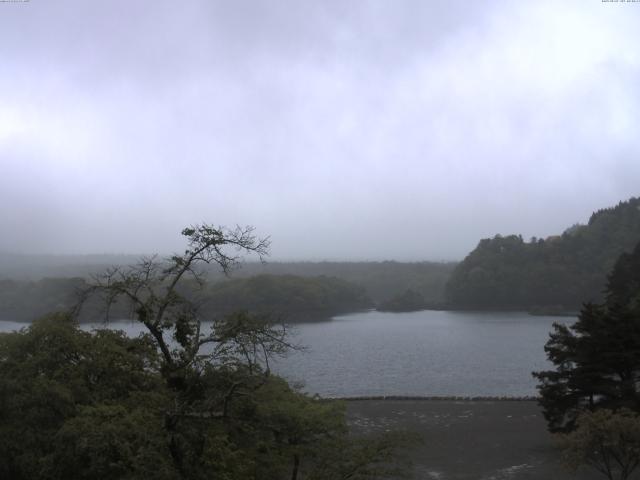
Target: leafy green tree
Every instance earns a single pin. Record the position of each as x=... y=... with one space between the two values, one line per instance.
x=56 y=380
x=96 y=405
x=111 y=441
x=175 y=403
x=605 y=440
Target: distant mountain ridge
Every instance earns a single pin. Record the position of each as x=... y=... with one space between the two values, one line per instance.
x=558 y=273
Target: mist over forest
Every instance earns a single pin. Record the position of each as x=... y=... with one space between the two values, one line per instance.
x=319 y=240
x=553 y=275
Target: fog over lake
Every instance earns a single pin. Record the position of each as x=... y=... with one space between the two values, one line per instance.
x=420 y=353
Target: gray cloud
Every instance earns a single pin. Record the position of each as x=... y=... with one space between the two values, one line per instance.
x=403 y=130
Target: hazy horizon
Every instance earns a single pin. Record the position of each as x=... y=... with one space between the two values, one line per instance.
x=270 y=258
x=357 y=131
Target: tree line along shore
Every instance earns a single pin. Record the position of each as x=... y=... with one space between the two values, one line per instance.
x=98 y=404
x=544 y=276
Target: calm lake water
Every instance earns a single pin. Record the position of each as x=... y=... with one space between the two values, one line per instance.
x=418 y=353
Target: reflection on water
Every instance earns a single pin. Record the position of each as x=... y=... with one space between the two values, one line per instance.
x=418 y=353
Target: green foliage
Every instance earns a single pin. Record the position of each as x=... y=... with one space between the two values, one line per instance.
x=297 y=291
x=54 y=377
x=26 y=301
x=366 y=457
x=597 y=360
x=558 y=273
x=286 y=296
x=289 y=297
x=110 y=441
x=176 y=403
x=409 y=301
x=380 y=280
x=98 y=405
x=606 y=441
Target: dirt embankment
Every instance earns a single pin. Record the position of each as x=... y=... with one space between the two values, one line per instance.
x=470 y=439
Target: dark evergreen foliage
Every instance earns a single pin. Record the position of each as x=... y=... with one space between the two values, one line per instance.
x=289 y=297
x=286 y=296
x=54 y=280
x=554 y=274
x=597 y=360
x=409 y=301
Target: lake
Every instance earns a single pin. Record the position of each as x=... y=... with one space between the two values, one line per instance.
x=427 y=353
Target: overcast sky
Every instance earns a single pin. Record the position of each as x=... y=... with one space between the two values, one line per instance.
x=356 y=130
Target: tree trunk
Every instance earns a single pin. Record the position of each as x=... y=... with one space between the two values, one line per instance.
x=296 y=465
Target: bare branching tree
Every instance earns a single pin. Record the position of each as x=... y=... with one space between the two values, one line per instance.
x=157 y=295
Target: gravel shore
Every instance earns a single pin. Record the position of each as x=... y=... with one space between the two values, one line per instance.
x=470 y=439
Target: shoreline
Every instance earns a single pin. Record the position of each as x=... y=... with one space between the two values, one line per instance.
x=468 y=438
x=438 y=398
x=534 y=312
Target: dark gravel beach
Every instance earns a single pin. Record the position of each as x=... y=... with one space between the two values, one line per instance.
x=473 y=439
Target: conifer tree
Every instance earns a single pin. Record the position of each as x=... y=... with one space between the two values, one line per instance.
x=597 y=359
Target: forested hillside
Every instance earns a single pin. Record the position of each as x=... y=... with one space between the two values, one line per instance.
x=288 y=297
x=23 y=301
x=291 y=297
x=409 y=301
x=557 y=273
x=381 y=280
